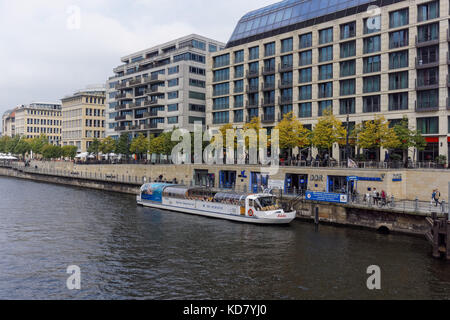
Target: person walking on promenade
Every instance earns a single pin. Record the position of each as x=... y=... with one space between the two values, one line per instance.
x=437 y=197
x=376 y=196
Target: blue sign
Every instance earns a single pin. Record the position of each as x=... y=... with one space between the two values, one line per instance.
x=326 y=197
x=352 y=178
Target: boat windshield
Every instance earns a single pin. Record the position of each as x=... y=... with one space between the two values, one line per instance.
x=268 y=203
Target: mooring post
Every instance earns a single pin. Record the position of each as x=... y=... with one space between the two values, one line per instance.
x=316 y=216
x=417 y=204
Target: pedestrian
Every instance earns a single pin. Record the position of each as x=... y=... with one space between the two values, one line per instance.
x=376 y=196
x=433 y=196
x=383 y=197
x=437 y=197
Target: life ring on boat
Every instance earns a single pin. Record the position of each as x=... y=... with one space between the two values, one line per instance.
x=250 y=213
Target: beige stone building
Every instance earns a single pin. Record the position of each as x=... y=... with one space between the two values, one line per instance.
x=357 y=58
x=39 y=118
x=9 y=123
x=84 y=119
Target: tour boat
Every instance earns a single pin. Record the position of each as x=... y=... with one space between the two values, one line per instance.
x=252 y=208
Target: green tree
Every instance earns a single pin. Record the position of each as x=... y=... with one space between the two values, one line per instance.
x=408 y=138
x=22 y=147
x=37 y=144
x=50 y=151
x=108 y=145
x=123 y=145
x=292 y=133
x=69 y=152
x=328 y=131
x=4 y=141
x=139 y=145
x=11 y=144
x=94 y=147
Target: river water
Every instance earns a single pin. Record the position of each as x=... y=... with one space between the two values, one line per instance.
x=129 y=252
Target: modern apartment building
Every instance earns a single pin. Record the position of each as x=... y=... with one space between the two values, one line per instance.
x=84 y=117
x=9 y=123
x=39 y=118
x=356 y=57
x=160 y=88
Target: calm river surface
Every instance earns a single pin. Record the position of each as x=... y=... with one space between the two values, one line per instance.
x=129 y=252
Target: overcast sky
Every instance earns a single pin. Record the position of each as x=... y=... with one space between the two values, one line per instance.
x=45 y=56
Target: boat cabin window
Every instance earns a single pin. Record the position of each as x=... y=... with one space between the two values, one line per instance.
x=267 y=204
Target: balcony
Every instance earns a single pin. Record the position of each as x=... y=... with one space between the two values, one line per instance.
x=135 y=82
x=426 y=107
x=122 y=128
x=284 y=67
x=267 y=102
x=268 y=70
x=268 y=118
x=155 y=91
x=285 y=84
x=252 y=73
x=427 y=63
x=428 y=41
x=157 y=126
x=126 y=117
x=155 y=102
x=121 y=107
x=427 y=84
x=157 y=78
x=124 y=96
x=252 y=88
x=121 y=86
x=284 y=100
x=251 y=104
x=268 y=86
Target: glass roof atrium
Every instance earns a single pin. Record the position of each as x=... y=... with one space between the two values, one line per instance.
x=288 y=12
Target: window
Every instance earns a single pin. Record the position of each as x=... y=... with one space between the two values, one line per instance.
x=427 y=55
x=372 y=44
x=305 y=40
x=305 y=75
x=221 y=89
x=269 y=49
x=398 y=101
x=172 y=107
x=348 y=30
x=239 y=101
x=197 y=95
x=239 y=56
x=197 y=83
x=398 y=80
x=305 y=93
x=173 y=70
x=305 y=58
x=347 y=68
x=254 y=67
x=326 y=72
x=222 y=61
x=398 y=60
x=372 y=25
x=239 y=116
x=428 y=11
x=197 y=108
x=239 y=71
x=172 y=95
x=287 y=45
x=238 y=86
x=221 y=103
x=212 y=48
x=428 y=77
x=347 y=87
x=172 y=120
x=348 y=49
x=221 y=117
x=428 y=125
x=428 y=32
x=326 y=36
x=221 y=75
x=198 y=71
x=305 y=110
x=172 y=82
x=399 y=18
x=325 y=90
x=326 y=53
x=428 y=99
x=287 y=61
x=371 y=104
x=347 y=106
x=398 y=39
x=371 y=84
x=325 y=105
x=253 y=53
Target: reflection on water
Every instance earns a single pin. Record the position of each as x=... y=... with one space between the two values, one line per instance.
x=126 y=251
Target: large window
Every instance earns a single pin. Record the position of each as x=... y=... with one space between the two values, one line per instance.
x=428 y=32
x=326 y=53
x=398 y=80
x=371 y=84
x=269 y=49
x=347 y=87
x=221 y=117
x=325 y=106
x=399 y=18
x=287 y=45
x=221 y=103
x=398 y=101
x=428 y=77
x=372 y=25
x=221 y=89
x=398 y=39
x=372 y=64
x=347 y=106
x=326 y=72
x=305 y=75
x=371 y=104
x=428 y=125
x=326 y=36
x=305 y=110
x=305 y=40
x=239 y=71
x=348 y=49
x=222 y=61
x=428 y=99
x=347 y=68
x=305 y=93
x=305 y=58
x=253 y=53
x=372 y=44
x=348 y=30
x=325 y=90
x=427 y=55
x=428 y=11
x=239 y=56
x=221 y=75
x=398 y=60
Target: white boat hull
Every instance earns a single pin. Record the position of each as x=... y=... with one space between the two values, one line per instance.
x=258 y=218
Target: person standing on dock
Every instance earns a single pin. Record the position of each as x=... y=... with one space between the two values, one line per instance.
x=437 y=197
